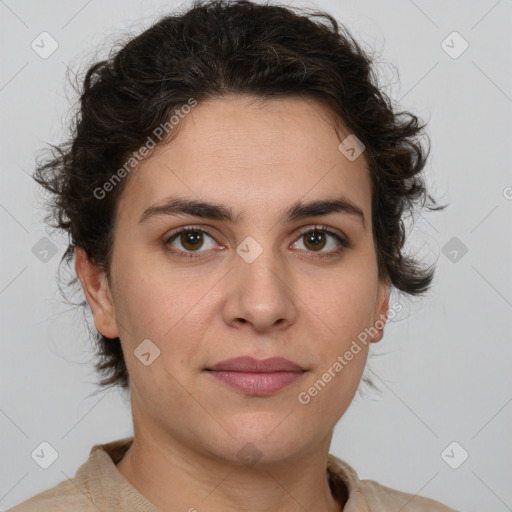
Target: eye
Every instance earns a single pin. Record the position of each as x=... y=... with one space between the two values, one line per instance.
x=321 y=237
x=191 y=240
x=316 y=239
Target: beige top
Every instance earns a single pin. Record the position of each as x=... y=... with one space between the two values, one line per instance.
x=98 y=486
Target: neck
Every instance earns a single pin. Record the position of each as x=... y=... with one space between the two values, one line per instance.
x=176 y=477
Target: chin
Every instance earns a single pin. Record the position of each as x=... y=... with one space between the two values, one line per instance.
x=259 y=436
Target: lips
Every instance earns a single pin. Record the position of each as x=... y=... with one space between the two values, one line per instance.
x=250 y=364
x=257 y=377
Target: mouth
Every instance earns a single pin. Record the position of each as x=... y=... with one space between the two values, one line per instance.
x=257 y=377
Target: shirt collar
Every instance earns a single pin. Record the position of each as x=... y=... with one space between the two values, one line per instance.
x=103 y=476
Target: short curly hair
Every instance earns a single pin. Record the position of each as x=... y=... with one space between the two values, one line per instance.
x=212 y=49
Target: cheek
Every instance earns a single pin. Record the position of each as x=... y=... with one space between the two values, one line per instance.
x=343 y=302
x=151 y=297
x=342 y=359
x=342 y=309
x=169 y=311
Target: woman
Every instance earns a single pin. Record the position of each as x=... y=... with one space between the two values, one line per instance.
x=234 y=190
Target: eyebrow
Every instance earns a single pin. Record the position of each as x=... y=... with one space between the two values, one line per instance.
x=180 y=206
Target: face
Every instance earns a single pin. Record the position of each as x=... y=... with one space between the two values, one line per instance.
x=264 y=283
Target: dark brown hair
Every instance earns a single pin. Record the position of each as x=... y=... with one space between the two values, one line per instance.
x=230 y=47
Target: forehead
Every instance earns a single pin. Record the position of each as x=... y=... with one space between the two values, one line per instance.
x=251 y=153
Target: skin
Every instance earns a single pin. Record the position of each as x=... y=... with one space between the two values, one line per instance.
x=257 y=157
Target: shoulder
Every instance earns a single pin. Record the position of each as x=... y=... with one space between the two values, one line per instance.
x=381 y=497
x=64 y=497
x=371 y=496
x=96 y=485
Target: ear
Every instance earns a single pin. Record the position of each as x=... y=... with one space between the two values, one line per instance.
x=97 y=293
x=381 y=309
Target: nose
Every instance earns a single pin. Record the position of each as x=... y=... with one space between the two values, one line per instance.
x=261 y=294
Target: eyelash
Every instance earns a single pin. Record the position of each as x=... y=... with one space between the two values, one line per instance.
x=344 y=243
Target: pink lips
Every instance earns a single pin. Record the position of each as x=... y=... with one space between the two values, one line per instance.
x=257 y=377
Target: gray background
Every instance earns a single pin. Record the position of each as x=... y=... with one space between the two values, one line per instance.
x=445 y=370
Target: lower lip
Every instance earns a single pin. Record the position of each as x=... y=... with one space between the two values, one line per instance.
x=256 y=383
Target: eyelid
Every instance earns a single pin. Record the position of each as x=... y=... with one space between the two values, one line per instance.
x=327 y=229
x=191 y=227
x=185 y=229
x=342 y=239
x=339 y=235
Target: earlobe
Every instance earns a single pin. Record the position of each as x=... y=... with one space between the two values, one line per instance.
x=97 y=292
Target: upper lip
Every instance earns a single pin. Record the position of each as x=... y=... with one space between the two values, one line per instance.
x=250 y=364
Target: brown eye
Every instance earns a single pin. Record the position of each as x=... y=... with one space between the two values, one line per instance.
x=186 y=241
x=315 y=240
x=319 y=238
x=191 y=241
